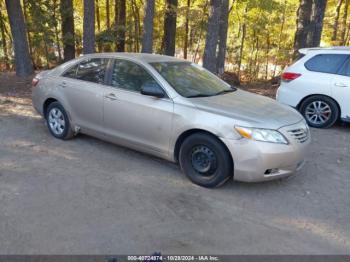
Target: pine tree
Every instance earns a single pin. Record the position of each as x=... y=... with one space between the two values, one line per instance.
x=89 y=27
x=148 y=22
x=211 y=42
x=23 y=63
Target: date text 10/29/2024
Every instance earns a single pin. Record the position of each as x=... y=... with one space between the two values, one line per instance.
x=172 y=258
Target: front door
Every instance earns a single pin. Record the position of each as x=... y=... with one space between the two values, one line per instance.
x=134 y=119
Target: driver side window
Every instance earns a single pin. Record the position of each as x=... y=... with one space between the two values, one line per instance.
x=130 y=76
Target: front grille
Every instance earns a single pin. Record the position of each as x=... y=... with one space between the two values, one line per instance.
x=301 y=135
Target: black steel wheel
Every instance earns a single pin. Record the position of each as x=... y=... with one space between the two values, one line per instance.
x=205 y=160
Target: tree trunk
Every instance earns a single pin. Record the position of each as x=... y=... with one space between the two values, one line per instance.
x=336 y=20
x=66 y=10
x=211 y=42
x=303 y=24
x=187 y=22
x=267 y=56
x=57 y=38
x=316 y=25
x=98 y=21
x=23 y=63
x=170 y=27
x=223 y=36
x=98 y=17
x=3 y=38
x=347 y=37
x=89 y=27
x=280 y=36
x=120 y=24
x=108 y=15
x=194 y=59
x=148 y=21
x=344 y=23
x=28 y=30
x=256 y=59
x=204 y=11
x=116 y=7
x=136 y=15
x=244 y=30
x=251 y=54
x=138 y=31
x=47 y=54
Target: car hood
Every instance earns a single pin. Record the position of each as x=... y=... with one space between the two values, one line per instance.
x=256 y=110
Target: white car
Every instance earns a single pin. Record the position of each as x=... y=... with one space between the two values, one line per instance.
x=318 y=85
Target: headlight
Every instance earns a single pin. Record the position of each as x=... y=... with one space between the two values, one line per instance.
x=264 y=135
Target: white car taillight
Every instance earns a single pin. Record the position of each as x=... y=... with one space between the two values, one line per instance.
x=288 y=76
x=35 y=81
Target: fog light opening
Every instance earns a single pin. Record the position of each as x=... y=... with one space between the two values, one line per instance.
x=271 y=171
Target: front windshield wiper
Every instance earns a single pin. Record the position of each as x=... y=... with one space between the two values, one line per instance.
x=198 y=95
x=225 y=91
x=208 y=95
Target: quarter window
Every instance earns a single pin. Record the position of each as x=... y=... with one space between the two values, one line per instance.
x=345 y=70
x=130 y=76
x=72 y=72
x=91 y=70
x=326 y=63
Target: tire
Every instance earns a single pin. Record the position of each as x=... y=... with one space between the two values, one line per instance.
x=320 y=111
x=205 y=160
x=58 y=122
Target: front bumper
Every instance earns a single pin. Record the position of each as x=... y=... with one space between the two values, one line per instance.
x=253 y=160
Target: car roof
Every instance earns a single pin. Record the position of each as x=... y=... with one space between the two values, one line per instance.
x=141 y=57
x=148 y=58
x=324 y=49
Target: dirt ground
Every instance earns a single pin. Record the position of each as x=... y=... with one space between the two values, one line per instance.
x=86 y=196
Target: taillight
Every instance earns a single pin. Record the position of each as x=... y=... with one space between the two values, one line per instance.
x=287 y=76
x=35 y=81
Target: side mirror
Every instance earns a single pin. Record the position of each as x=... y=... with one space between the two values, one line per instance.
x=151 y=88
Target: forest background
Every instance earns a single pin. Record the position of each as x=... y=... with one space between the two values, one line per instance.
x=251 y=39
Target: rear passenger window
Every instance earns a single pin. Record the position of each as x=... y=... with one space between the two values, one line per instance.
x=326 y=63
x=91 y=70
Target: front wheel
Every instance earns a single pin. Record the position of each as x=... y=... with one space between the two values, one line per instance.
x=320 y=111
x=205 y=160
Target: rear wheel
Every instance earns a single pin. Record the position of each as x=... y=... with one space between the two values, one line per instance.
x=320 y=111
x=58 y=122
x=205 y=160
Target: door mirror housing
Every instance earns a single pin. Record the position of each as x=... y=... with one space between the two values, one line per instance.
x=151 y=88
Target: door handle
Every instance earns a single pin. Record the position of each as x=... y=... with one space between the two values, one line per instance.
x=111 y=96
x=63 y=84
x=341 y=84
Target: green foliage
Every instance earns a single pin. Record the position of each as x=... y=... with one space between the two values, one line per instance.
x=264 y=28
x=41 y=33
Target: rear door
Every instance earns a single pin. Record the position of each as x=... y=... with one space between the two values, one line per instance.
x=134 y=119
x=321 y=70
x=83 y=88
x=341 y=89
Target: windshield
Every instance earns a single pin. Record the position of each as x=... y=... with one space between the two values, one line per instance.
x=191 y=80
